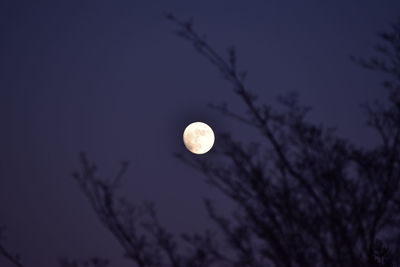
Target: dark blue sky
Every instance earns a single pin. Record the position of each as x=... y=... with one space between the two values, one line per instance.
x=110 y=78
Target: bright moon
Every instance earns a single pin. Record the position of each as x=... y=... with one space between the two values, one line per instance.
x=198 y=137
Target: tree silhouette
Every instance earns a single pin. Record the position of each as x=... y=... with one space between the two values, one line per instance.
x=303 y=195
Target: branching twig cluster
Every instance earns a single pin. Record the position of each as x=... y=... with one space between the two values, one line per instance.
x=304 y=196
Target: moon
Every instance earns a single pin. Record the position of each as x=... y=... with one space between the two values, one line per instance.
x=198 y=137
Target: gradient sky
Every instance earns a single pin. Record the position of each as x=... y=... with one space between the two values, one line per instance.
x=111 y=78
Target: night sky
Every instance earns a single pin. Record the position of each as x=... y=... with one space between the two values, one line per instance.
x=110 y=78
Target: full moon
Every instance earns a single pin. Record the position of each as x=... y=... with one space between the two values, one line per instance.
x=198 y=137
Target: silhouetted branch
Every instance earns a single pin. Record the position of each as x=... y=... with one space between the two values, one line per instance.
x=12 y=258
x=304 y=196
x=309 y=176
x=137 y=227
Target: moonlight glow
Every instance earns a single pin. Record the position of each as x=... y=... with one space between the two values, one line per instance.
x=198 y=137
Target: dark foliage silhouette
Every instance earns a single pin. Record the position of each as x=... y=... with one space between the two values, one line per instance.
x=304 y=196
